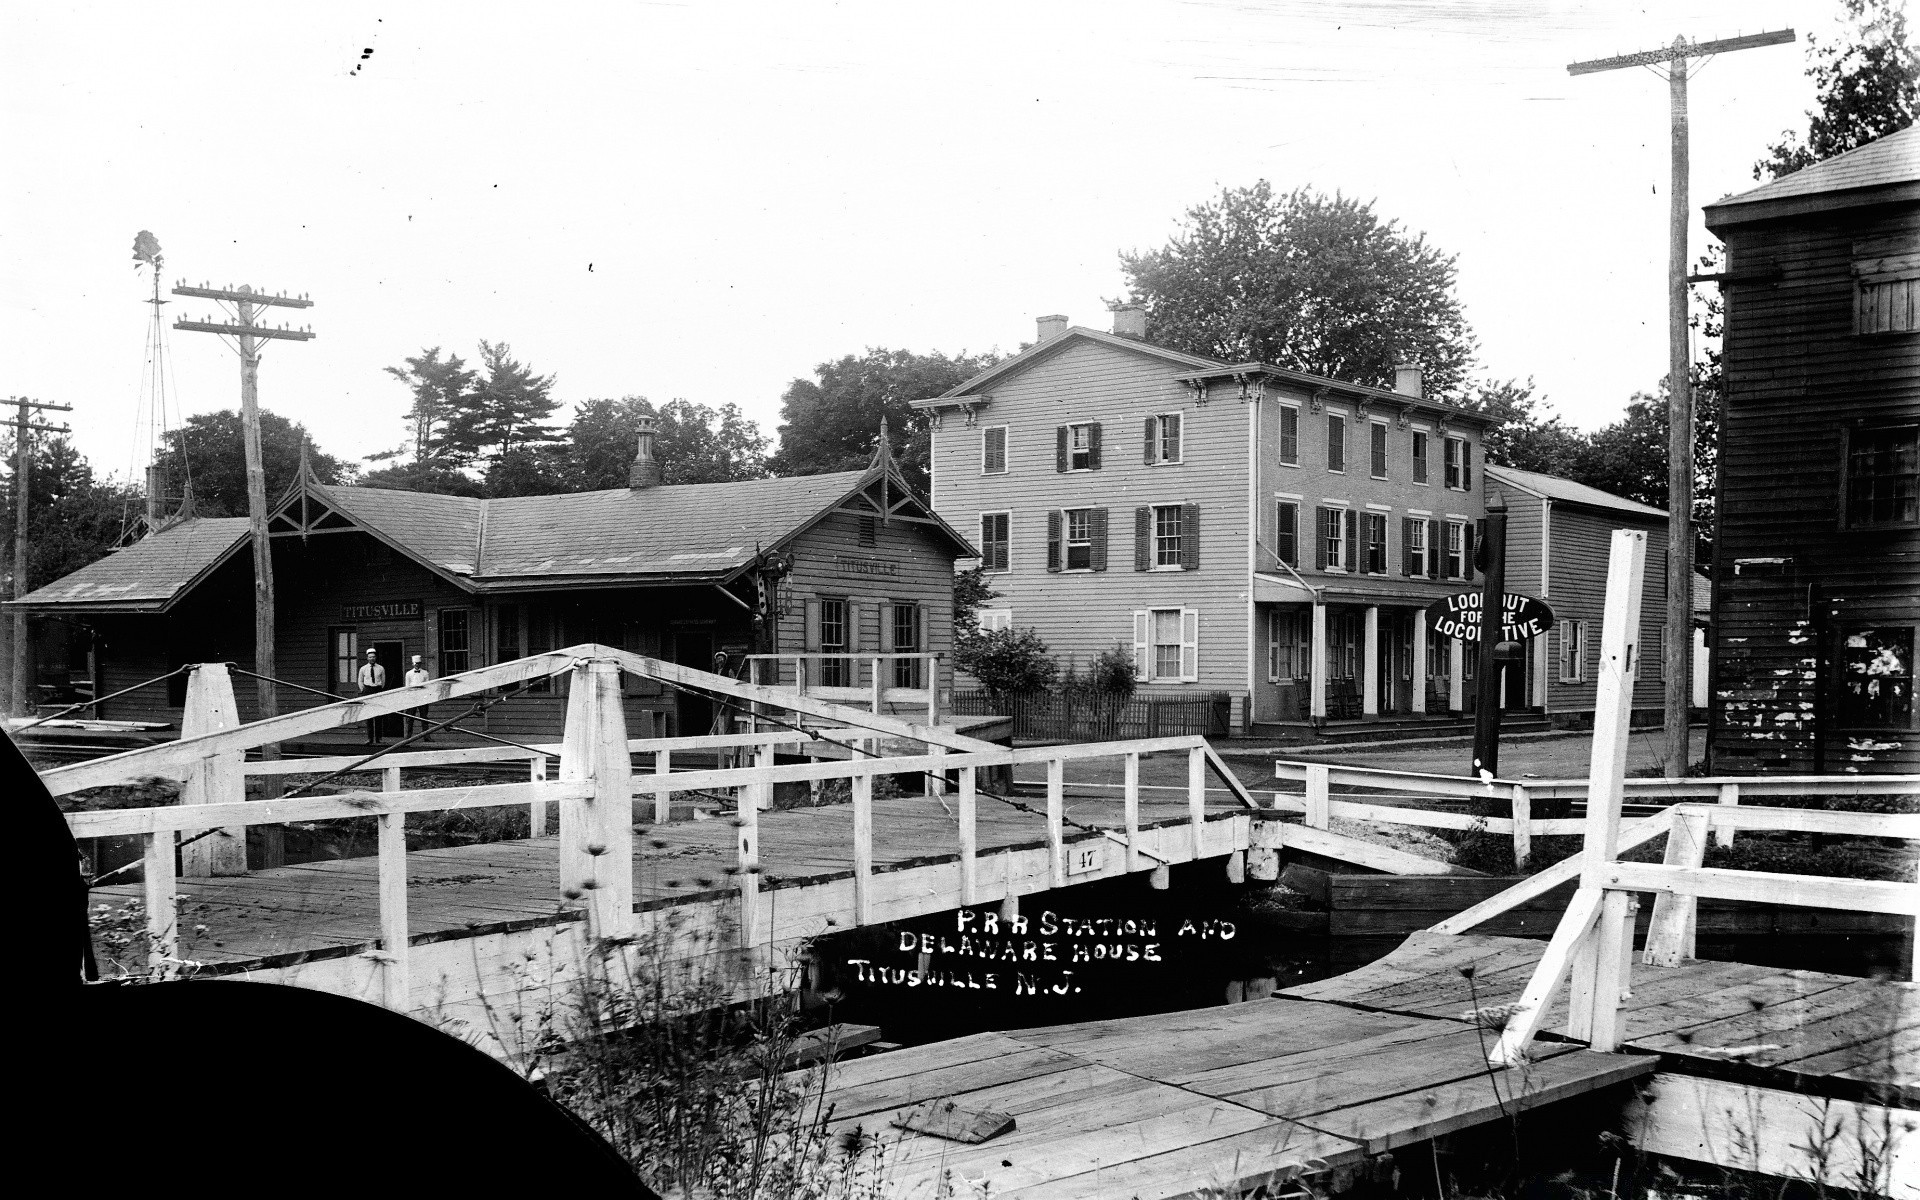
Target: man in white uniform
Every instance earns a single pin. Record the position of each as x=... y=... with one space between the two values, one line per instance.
x=417 y=675
x=373 y=678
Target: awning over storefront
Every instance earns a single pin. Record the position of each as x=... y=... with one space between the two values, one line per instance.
x=1279 y=589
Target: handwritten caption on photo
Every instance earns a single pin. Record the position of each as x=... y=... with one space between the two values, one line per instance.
x=969 y=957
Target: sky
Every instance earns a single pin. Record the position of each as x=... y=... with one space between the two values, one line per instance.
x=706 y=200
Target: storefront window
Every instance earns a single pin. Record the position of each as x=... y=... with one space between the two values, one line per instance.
x=1876 y=678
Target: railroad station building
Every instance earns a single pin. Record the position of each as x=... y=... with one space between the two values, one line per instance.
x=849 y=562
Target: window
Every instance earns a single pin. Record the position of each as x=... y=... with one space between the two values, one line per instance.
x=346 y=660
x=1876 y=678
x=1883 y=477
x=1077 y=447
x=1284 y=651
x=1163 y=438
x=869 y=534
x=1289 y=436
x=1419 y=457
x=996 y=541
x=1166 y=644
x=1417 y=565
x=993 y=450
x=523 y=630
x=834 y=634
x=1168 y=535
x=456 y=641
x=1378 y=432
x=1079 y=523
x=1373 y=526
x=1886 y=284
x=1439 y=656
x=1336 y=443
x=1456 y=549
x=1573 y=651
x=906 y=640
x=1652 y=656
x=1344 y=634
x=992 y=620
x=1333 y=538
x=1286 y=533
x=1459 y=466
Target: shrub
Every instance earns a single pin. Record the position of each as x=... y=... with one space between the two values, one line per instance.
x=1008 y=660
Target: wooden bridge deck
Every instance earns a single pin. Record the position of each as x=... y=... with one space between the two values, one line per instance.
x=1334 y=1072
x=329 y=909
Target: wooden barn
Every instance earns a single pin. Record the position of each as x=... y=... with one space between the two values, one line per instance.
x=1817 y=563
x=842 y=563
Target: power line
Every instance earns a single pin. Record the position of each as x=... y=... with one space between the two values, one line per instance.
x=24 y=426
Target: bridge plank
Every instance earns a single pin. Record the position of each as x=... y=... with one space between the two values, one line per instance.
x=1228 y=1165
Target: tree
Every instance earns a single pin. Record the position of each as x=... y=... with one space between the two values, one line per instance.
x=971 y=590
x=1629 y=458
x=508 y=406
x=441 y=389
x=210 y=449
x=1868 y=86
x=695 y=443
x=1521 y=437
x=424 y=477
x=72 y=518
x=1308 y=282
x=832 y=422
x=1007 y=660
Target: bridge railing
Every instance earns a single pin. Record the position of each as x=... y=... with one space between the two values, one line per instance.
x=595 y=800
x=1319 y=805
x=911 y=680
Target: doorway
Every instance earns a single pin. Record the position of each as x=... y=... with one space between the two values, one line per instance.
x=392 y=656
x=692 y=647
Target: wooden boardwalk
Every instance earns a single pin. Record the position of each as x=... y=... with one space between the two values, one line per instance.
x=1328 y=1074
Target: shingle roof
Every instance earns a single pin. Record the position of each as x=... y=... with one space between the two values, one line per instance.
x=1886 y=162
x=706 y=531
x=1553 y=487
x=150 y=572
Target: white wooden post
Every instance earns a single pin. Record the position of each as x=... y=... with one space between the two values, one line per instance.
x=1594 y=1005
x=879 y=689
x=1319 y=802
x=537 y=810
x=1237 y=867
x=1370 y=647
x=396 y=978
x=1456 y=675
x=1317 y=666
x=1670 y=935
x=1729 y=795
x=162 y=899
x=762 y=793
x=1057 y=819
x=662 y=797
x=932 y=680
x=1130 y=797
x=216 y=779
x=1263 y=856
x=596 y=834
x=1009 y=896
x=969 y=845
x=862 y=848
x=747 y=847
x=1197 y=799
x=1522 y=828
x=1419 y=662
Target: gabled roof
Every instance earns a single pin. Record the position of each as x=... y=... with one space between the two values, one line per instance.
x=1566 y=491
x=1195 y=368
x=149 y=574
x=1882 y=171
x=674 y=533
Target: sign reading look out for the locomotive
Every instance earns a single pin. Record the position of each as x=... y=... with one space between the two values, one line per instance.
x=1521 y=617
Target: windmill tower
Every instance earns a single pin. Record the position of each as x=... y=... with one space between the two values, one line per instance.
x=153 y=416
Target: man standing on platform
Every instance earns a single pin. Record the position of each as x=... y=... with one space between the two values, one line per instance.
x=417 y=675
x=373 y=678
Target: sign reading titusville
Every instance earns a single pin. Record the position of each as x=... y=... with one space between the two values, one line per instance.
x=1521 y=617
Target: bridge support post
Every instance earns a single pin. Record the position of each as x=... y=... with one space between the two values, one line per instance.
x=163 y=902
x=395 y=976
x=968 y=816
x=216 y=779
x=596 y=834
x=1263 y=855
x=1670 y=935
x=1521 y=809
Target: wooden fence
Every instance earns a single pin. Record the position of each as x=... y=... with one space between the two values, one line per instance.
x=1088 y=716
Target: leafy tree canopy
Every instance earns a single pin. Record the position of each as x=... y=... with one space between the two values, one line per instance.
x=832 y=422
x=507 y=406
x=72 y=517
x=442 y=388
x=695 y=443
x=1524 y=437
x=1305 y=281
x=210 y=449
x=1868 y=85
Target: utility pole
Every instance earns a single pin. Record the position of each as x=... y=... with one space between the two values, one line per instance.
x=1489 y=678
x=248 y=302
x=1677 y=645
x=24 y=426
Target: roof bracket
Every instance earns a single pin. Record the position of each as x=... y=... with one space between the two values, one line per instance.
x=1199 y=389
x=1317 y=399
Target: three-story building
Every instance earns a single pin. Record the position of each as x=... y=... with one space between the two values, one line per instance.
x=1236 y=527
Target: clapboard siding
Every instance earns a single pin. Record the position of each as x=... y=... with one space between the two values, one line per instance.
x=1527 y=575
x=1080 y=614
x=1581 y=543
x=1797 y=377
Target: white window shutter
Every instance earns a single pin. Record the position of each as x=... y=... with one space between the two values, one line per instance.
x=1189 y=645
x=1142 y=664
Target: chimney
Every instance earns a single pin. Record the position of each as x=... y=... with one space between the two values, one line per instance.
x=1406 y=379
x=1052 y=327
x=1130 y=321
x=646 y=468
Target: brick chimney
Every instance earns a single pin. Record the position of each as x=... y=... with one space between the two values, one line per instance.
x=1052 y=327
x=645 y=472
x=1406 y=379
x=1130 y=321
